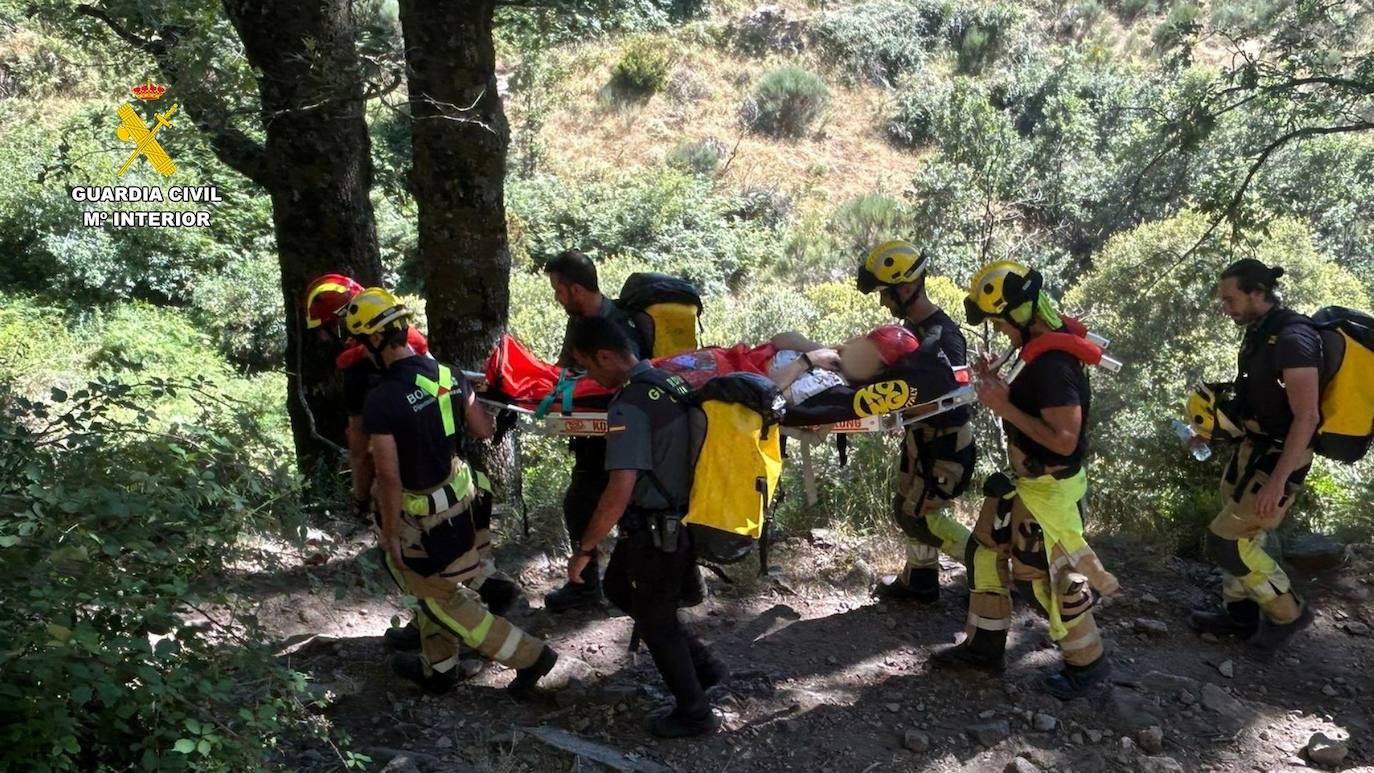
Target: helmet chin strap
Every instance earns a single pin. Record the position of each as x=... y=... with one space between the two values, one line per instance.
x=904 y=305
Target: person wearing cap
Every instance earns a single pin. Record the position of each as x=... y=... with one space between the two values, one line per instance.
x=416 y=418
x=1034 y=515
x=939 y=454
x=1277 y=403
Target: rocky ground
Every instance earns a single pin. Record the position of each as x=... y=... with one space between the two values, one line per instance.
x=827 y=679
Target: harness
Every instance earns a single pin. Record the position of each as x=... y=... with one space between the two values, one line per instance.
x=1263 y=339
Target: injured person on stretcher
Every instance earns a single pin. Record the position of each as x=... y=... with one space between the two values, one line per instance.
x=882 y=371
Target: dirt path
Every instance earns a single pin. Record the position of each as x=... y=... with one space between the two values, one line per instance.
x=828 y=680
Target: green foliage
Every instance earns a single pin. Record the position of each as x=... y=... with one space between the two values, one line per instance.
x=672 y=221
x=881 y=40
x=786 y=102
x=699 y=158
x=921 y=103
x=642 y=69
x=1166 y=326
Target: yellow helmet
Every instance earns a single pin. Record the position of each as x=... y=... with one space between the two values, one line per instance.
x=1207 y=410
x=890 y=264
x=1003 y=289
x=375 y=310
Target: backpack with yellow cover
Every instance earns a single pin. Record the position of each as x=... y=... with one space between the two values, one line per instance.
x=667 y=306
x=1347 y=399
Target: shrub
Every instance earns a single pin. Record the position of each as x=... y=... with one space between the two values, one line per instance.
x=921 y=102
x=787 y=102
x=880 y=41
x=699 y=158
x=642 y=69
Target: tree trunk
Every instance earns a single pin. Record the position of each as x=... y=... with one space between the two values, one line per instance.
x=459 y=142
x=318 y=169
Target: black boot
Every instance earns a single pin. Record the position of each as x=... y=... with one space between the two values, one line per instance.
x=1272 y=636
x=1238 y=618
x=499 y=595
x=669 y=724
x=983 y=651
x=522 y=686
x=412 y=667
x=583 y=595
x=1077 y=681
x=403 y=639
x=922 y=587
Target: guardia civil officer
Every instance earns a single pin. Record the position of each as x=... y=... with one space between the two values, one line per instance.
x=652 y=571
x=1276 y=403
x=938 y=455
x=577 y=289
x=416 y=417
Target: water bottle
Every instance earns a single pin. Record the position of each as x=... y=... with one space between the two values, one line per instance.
x=1201 y=451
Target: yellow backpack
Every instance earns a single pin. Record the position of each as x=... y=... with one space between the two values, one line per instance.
x=1347 y=399
x=668 y=306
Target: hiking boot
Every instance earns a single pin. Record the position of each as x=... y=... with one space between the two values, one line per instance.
x=668 y=724
x=1271 y=636
x=1077 y=681
x=412 y=667
x=571 y=596
x=891 y=588
x=964 y=656
x=1240 y=619
x=522 y=686
x=403 y=639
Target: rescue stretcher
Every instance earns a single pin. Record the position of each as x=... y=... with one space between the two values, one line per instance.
x=909 y=403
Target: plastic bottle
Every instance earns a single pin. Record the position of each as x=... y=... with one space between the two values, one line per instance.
x=1201 y=451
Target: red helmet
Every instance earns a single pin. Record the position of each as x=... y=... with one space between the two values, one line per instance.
x=894 y=342
x=325 y=296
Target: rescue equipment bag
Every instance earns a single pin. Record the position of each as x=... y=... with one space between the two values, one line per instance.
x=672 y=305
x=738 y=450
x=1347 y=397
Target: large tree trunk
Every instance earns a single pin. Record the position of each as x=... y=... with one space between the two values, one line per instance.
x=318 y=168
x=459 y=137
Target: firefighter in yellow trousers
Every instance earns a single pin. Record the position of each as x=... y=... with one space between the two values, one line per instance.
x=427 y=494
x=1032 y=519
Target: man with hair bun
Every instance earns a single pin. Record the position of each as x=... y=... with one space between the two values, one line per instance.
x=1277 y=391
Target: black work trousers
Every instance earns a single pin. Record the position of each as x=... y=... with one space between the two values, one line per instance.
x=648 y=583
x=589 y=479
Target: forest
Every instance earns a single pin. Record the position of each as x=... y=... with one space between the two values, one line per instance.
x=186 y=586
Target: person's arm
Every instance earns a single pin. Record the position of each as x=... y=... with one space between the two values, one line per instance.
x=793 y=340
x=1056 y=428
x=1303 y=388
x=388 y=472
x=614 y=499
x=359 y=463
x=785 y=376
x=479 y=422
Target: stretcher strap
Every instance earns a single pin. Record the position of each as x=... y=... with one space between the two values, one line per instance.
x=564 y=389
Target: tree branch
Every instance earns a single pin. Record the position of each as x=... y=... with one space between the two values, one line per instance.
x=236 y=149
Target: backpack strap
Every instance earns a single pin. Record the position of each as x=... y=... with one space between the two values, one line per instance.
x=678 y=393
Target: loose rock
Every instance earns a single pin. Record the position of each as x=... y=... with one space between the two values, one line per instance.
x=1355 y=628
x=1045 y=723
x=991 y=733
x=1159 y=765
x=1021 y=765
x=916 y=741
x=1151 y=739
x=1327 y=751
x=1227 y=669
x=1151 y=627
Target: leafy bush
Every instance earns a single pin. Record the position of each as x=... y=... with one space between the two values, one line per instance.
x=699 y=158
x=787 y=102
x=880 y=41
x=920 y=104
x=642 y=69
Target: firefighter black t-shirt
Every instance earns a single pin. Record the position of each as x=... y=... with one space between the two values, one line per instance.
x=1280 y=341
x=1054 y=380
x=399 y=407
x=954 y=347
x=358 y=380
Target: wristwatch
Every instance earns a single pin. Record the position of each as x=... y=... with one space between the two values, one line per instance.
x=806 y=358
